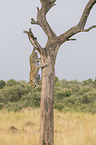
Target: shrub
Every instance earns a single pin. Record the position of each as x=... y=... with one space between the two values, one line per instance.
x=87 y=82
x=2 y=84
x=13 y=93
x=11 y=82
x=59 y=106
x=69 y=96
x=85 y=99
x=56 y=79
x=84 y=89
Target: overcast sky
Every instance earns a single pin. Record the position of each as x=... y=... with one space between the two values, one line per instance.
x=75 y=60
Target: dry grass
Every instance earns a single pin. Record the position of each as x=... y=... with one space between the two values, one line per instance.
x=23 y=128
x=75 y=129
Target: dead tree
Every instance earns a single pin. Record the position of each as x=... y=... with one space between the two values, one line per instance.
x=48 y=56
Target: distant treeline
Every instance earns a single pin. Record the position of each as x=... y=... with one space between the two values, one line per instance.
x=68 y=96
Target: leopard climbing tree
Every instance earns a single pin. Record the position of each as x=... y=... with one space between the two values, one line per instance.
x=48 y=56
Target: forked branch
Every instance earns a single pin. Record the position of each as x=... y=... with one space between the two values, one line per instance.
x=34 y=41
x=41 y=18
x=80 y=26
x=88 y=29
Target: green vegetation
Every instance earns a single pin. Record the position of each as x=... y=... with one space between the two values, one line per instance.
x=73 y=96
x=2 y=84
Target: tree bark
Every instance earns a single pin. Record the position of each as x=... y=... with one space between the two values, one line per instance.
x=47 y=94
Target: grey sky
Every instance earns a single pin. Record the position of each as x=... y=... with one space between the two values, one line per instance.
x=75 y=60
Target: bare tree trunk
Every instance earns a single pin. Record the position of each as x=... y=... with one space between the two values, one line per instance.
x=47 y=122
x=48 y=54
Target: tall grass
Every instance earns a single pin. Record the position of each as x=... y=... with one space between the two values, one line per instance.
x=70 y=128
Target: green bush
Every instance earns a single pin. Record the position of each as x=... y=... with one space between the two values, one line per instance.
x=87 y=82
x=84 y=89
x=11 y=82
x=56 y=79
x=68 y=96
x=85 y=99
x=59 y=106
x=13 y=93
x=2 y=84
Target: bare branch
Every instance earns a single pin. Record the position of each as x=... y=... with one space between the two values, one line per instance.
x=65 y=36
x=86 y=13
x=41 y=18
x=34 y=22
x=34 y=41
x=90 y=28
x=80 y=26
x=37 y=9
x=71 y=40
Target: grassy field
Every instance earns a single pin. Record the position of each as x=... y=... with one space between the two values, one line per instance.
x=23 y=128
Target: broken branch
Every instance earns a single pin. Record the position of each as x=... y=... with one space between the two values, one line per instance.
x=34 y=41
